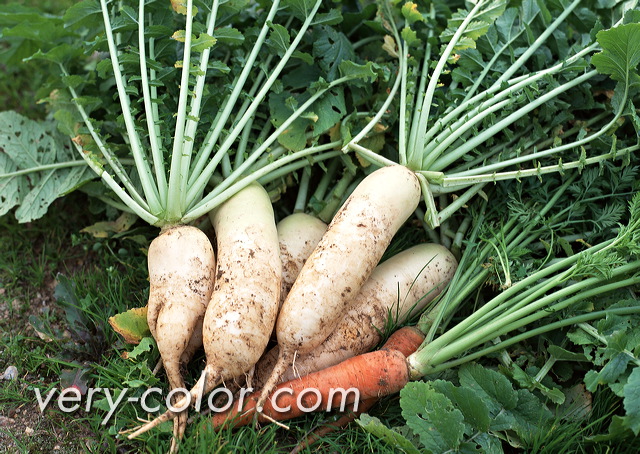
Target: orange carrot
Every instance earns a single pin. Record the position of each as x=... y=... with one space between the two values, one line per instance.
x=406 y=340
x=358 y=379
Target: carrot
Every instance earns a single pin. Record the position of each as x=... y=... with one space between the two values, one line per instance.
x=348 y=252
x=406 y=340
x=356 y=380
x=376 y=373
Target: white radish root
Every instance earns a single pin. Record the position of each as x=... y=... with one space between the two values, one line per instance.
x=298 y=236
x=244 y=303
x=181 y=265
x=351 y=248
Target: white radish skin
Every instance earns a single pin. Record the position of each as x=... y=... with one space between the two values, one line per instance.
x=181 y=265
x=244 y=303
x=402 y=285
x=351 y=248
x=298 y=236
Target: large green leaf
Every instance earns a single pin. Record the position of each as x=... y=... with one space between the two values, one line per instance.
x=620 y=54
x=432 y=416
x=632 y=401
x=26 y=146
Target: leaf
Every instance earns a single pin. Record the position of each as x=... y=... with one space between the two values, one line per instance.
x=279 y=39
x=529 y=415
x=617 y=430
x=59 y=54
x=410 y=36
x=280 y=106
x=432 y=417
x=146 y=345
x=86 y=13
x=300 y=8
x=527 y=381
x=494 y=386
x=373 y=425
x=475 y=411
x=333 y=17
x=228 y=35
x=478 y=26
x=609 y=373
x=132 y=324
x=198 y=44
x=632 y=401
x=102 y=229
x=180 y=7
x=359 y=75
x=330 y=109
x=202 y=42
x=26 y=145
x=331 y=48
x=561 y=354
x=410 y=12
x=620 y=54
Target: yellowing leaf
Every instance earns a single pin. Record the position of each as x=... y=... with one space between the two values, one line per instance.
x=180 y=7
x=411 y=13
x=179 y=35
x=132 y=324
x=390 y=46
x=103 y=229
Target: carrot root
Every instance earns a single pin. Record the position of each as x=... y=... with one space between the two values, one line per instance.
x=371 y=375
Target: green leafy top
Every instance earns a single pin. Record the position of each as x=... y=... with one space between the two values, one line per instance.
x=505 y=98
x=205 y=74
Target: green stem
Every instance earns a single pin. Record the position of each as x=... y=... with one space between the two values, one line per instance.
x=537 y=43
x=460 y=182
x=459 y=202
x=42 y=168
x=323 y=185
x=287 y=169
x=425 y=108
x=491 y=94
x=176 y=176
x=151 y=114
x=303 y=191
x=424 y=75
x=221 y=119
x=335 y=197
x=199 y=184
x=142 y=165
x=521 y=337
x=194 y=113
x=445 y=160
x=371 y=156
x=222 y=192
x=115 y=187
x=111 y=159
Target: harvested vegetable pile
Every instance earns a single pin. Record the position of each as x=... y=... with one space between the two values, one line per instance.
x=324 y=173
